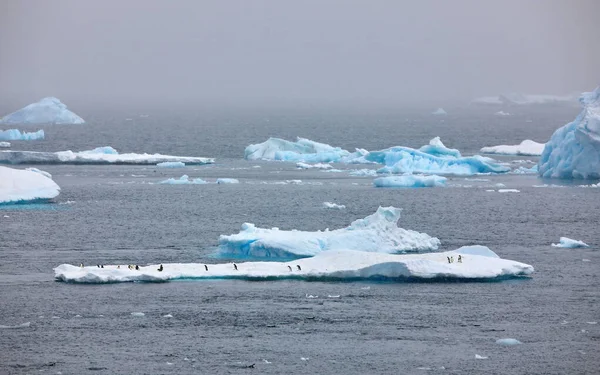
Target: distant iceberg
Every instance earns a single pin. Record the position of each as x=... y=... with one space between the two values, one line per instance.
x=437 y=148
x=410 y=181
x=100 y=155
x=47 y=111
x=16 y=135
x=375 y=233
x=183 y=180
x=573 y=152
x=18 y=186
x=227 y=181
x=479 y=263
x=439 y=112
x=170 y=164
x=570 y=243
x=516 y=99
x=302 y=165
x=333 y=205
x=502 y=113
x=4 y=144
x=525 y=148
x=303 y=150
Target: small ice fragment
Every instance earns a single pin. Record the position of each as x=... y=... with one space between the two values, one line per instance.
x=311 y=296
x=305 y=359
x=585 y=260
x=23 y=325
x=227 y=181
x=508 y=342
x=169 y=364
x=592 y=322
x=569 y=243
x=77 y=316
x=167 y=316
x=500 y=185
x=333 y=296
x=333 y=205
x=267 y=362
x=508 y=191
x=365 y=288
x=138 y=314
x=564 y=322
x=477 y=356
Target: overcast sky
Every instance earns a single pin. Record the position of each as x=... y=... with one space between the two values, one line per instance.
x=302 y=51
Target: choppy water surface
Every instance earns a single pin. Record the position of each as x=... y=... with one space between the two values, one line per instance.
x=117 y=214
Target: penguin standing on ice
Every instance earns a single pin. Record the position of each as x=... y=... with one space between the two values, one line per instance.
x=235 y=266
x=452 y=259
x=459 y=259
x=160 y=268
x=449 y=260
x=206 y=267
x=290 y=268
x=119 y=267
x=137 y=268
x=299 y=269
x=81 y=265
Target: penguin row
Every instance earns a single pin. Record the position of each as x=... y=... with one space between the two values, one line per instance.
x=235 y=267
x=451 y=259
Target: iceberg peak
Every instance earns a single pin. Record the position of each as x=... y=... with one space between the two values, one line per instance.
x=48 y=110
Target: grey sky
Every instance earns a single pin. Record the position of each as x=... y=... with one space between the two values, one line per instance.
x=309 y=51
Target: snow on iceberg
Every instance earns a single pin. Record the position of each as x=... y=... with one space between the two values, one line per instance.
x=570 y=243
x=100 y=155
x=16 y=135
x=525 y=148
x=170 y=164
x=18 y=186
x=439 y=112
x=183 y=180
x=303 y=150
x=47 y=110
x=573 y=151
x=375 y=233
x=5 y=144
x=410 y=181
x=437 y=148
x=333 y=205
x=337 y=265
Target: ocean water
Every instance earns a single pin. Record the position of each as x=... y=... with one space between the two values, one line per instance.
x=118 y=214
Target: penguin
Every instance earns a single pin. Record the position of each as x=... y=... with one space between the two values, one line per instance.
x=449 y=260
x=459 y=259
x=102 y=266
x=452 y=259
x=97 y=265
x=299 y=269
x=160 y=268
x=206 y=267
x=290 y=268
x=235 y=266
x=251 y=366
x=137 y=268
x=129 y=266
x=81 y=265
x=118 y=267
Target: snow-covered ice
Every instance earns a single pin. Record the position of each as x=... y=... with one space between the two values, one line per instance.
x=99 y=155
x=523 y=170
x=525 y=148
x=47 y=110
x=378 y=232
x=303 y=150
x=364 y=172
x=570 y=243
x=17 y=185
x=573 y=151
x=5 y=144
x=508 y=191
x=508 y=342
x=39 y=171
x=136 y=314
x=479 y=263
x=183 y=180
x=333 y=205
x=17 y=135
x=302 y=165
x=410 y=181
x=477 y=356
x=171 y=164
x=227 y=181
x=437 y=148
x=439 y=112
x=22 y=325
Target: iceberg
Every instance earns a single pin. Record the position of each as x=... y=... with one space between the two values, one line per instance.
x=439 y=112
x=47 y=111
x=502 y=113
x=183 y=180
x=5 y=144
x=338 y=265
x=303 y=150
x=18 y=186
x=410 y=181
x=437 y=148
x=364 y=173
x=525 y=148
x=333 y=205
x=100 y=155
x=227 y=181
x=569 y=243
x=375 y=233
x=16 y=135
x=573 y=151
x=301 y=165
x=170 y=164
x=516 y=99
x=508 y=342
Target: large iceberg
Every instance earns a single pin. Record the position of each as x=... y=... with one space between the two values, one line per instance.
x=410 y=181
x=303 y=150
x=573 y=152
x=17 y=135
x=525 y=148
x=100 y=155
x=478 y=263
x=47 y=111
x=18 y=186
x=375 y=233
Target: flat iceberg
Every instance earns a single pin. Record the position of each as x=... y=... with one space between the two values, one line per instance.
x=336 y=265
x=303 y=150
x=570 y=243
x=437 y=148
x=508 y=342
x=302 y=165
x=47 y=111
x=100 y=155
x=375 y=233
x=439 y=112
x=17 y=135
x=410 y=181
x=170 y=164
x=5 y=144
x=573 y=151
x=17 y=186
x=525 y=148
x=183 y=180
x=227 y=181
x=333 y=205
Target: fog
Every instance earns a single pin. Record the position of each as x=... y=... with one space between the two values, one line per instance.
x=277 y=52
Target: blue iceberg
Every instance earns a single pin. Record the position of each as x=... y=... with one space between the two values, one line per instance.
x=49 y=110
x=303 y=150
x=573 y=152
x=437 y=148
x=17 y=135
x=18 y=186
x=410 y=181
x=183 y=180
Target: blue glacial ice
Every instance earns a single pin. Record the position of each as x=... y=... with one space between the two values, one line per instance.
x=335 y=265
x=170 y=164
x=18 y=186
x=47 y=111
x=375 y=233
x=410 y=181
x=17 y=135
x=437 y=148
x=573 y=151
x=183 y=180
x=569 y=243
x=303 y=150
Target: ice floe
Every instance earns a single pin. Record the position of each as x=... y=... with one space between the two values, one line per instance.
x=570 y=243
x=302 y=165
x=136 y=314
x=23 y=325
x=508 y=191
x=375 y=233
x=410 y=181
x=100 y=155
x=333 y=205
x=508 y=342
x=523 y=170
x=573 y=151
x=477 y=356
x=525 y=148
x=17 y=185
x=479 y=263
x=227 y=181
x=47 y=110
x=183 y=180
x=502 y=113
x=170 y=164
x=4 y=144
x=363 y=172
x=17 y=135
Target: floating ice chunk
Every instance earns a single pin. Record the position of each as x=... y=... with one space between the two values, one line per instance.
x=18 y=185
x=439 y=112
x=569 y=243
x=171 y=164
x=500 y=185
x=508 y=191
x=47 y=110
x=502 y=113
x=227 y=181
x=184 y=180
x=573 y=151
x=333 y=205
x=305 y=359
x=267 y=362
x=303 y=150
x=167 y=316
x=375 y=233
x=523 y=170
x=437 y=148
x=477 y=356
x=311 y=296
x=39 y=171
x=525 y=148
x=410 y=181
x=364 y=172
x=16 y=135
x=333 y=296
x=508 y=342
x=327 y=266
x=100 y=155
x=4 y=144
x=137 y=314
x=23 y=325
x=302 y=165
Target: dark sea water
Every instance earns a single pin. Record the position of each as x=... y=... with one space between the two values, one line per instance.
x=116 y=214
